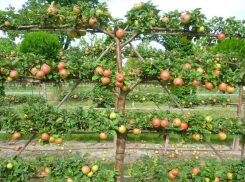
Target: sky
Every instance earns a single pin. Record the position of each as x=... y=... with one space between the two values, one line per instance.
x=211 y=8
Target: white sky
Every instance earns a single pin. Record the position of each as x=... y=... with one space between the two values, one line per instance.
x=224 y=8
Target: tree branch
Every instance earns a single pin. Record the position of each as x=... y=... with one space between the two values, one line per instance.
x=114 y=91
x=105 y=51
x=129 y=40
x=136 y=51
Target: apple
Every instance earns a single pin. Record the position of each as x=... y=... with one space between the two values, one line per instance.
x=95 y=168
x=185 y=39
x=40 y=75
x=165 y=75
x=69 y=180
x=6 y=23
x=209 y=85
x=3 y=70
x=206 y=76
x=61 y=65
x=176 y=122
x=208 y=119
x=187 y=65
x=107 y=73
x=120 y=77
x=113 y=115
x=216 y=179
x=120 y=33
x=125 y=88
x=98 y=70
x=131 y=121
x=85 y=169
x=221 y=37
x=92 y=21
x=195 y=83
x=45 y=136
x=165 y=19
x=222 y=136
x=103 y=136
x=59 y=141
x=100 y=99
x=184 y=125
x=175 y=172
x=61 y=52
x=105 y=80
x=72 y=34
x=136 y=131
x=76 y=11
x=171 y=175
x=178 y=82
x=200 y=70
x=185 y=18
x=63 y=73
x=136 y=23
x=12 y=98
x=90 y=174
x=229 y=175
x=217 y=66
x=200 y=29
x=156 y=122
x=10 y=165
x=222 y=86
x=46 y=68
x=138 y=6
x=52 y=10
x=195 y=170
x=99 y=12
x=122 y=129
x=34 y=71
x=13 y=74
x=230 y=89
x=137 y=71
x=10 y=79
x=196 y=137
x=16 y=135
x=46 y=170
x=118 y=84
x=216 y=72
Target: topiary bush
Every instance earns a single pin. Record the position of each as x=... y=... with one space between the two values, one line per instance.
x=184 y=91
x=41 y=43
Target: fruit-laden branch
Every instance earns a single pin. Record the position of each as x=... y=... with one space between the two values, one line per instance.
x=33 y=136
x=136 y=51
x=107 y=49
x=133 y=86
x=63 y=100
x=214 y=149
x=50 y=26
x=173 y=99
x=129 y=40
x=111 y=34
x=114 y=91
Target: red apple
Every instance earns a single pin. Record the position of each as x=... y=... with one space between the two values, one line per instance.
x=222 y=136
x=178 y=82
x=195 y=170
x=40 y=75
x=125 y=88
x=61 y=52
x=107 y=73
x=63 y=73
x=195 y=83
x=6 y=23
x=103 y=136
x=85 y=169
x=222 y=86
x=52 y=10
x=175 y=171
x=92 y=21
x=165 y=75
x=230 y=89
x=221 y=37
x=216 y=72
x=200 y=70
x=118 y=84
x=137 y=71
x=61 y=65
x=120 y=33
x=76 y=11
x=156 y=122
x=13 y=74
x=164 y=123
x=209 y=85
x=131 y=121
x=99 y=70
x=46 y=68
x=46 y=170
x=196 y=137
x=120 y=77
x=16 y=135
x=45 y=136
x=187 y=65
x=184 y=125
x=165 y=19
x=136 y=131
x=171 y=175
x=105 y=80
x=185 y=18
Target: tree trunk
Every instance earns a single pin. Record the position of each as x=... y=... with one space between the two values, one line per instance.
x=121 y=140
x=239 y=118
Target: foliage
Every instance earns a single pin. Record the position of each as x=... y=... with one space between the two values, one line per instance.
x=234 y=47
x=182 y=92
x=100 y=91
x=18 y=99
x=2 y=92
x=41 y=43
x=6 y=46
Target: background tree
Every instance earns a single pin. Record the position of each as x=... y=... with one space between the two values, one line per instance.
x=7 y=46
x=41 y=43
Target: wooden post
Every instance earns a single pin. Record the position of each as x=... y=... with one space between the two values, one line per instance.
x=44 y=91
x=239 y=118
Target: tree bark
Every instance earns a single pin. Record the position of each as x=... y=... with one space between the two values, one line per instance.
x=239 y=118
x=121 y=140
x=67 y=43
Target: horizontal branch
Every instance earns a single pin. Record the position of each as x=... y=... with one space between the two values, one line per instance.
x=129 y=40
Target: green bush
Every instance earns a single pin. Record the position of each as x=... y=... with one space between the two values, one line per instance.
x=41 y=43
x=184 y=91
x=2 y=92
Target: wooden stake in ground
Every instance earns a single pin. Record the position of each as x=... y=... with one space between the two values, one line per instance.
x=239 y=118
